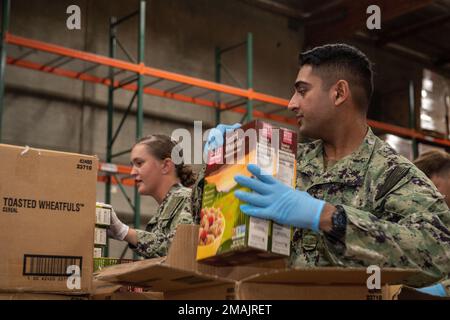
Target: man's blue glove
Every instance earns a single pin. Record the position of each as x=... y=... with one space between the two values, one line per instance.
x=434 y=290
x=276 y=201
x=215 y=137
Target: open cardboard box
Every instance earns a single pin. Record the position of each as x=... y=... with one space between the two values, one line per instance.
x=180 y=276
x=402 y=292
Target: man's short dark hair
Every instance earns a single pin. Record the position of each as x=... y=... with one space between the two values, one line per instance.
x=333 y=62
x=434 y=163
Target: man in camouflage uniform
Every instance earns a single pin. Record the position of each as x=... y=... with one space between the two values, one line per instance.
x=395 y=215
x=155 y=240
x=358 y=202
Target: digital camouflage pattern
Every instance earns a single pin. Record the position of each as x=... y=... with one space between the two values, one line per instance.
x=175 y=209
x=396 y=217
x=197 y=194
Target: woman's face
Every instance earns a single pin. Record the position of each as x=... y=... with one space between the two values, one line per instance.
x=147 y=170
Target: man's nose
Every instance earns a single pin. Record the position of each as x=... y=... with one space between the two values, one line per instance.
x=134 y=171
x=294 y=102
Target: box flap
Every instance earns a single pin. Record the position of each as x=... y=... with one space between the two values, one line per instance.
x=157 y=276
x=104 y=288
x=409 y=293
x=330 y=276
x=183 y=251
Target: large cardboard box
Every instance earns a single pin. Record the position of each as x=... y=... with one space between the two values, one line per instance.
x=180 y=276
x=227 y=235
x=47 y=219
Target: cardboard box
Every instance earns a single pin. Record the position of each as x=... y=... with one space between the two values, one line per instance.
x=180 y=276
x=401 y=292
x=47 y=220
x=227 y=236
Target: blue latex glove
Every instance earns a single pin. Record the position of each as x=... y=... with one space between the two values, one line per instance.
x=276 y=201
x=215 y=137
x=434 y=290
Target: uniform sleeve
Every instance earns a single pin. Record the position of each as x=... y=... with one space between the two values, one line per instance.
x=155 y=242
x=197 y=194
x=411 y=232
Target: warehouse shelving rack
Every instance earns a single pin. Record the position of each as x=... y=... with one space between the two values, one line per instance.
x=134 y=76
x=220 y=66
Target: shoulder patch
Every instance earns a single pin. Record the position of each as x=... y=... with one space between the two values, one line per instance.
x=172 y=206
x=392 y=179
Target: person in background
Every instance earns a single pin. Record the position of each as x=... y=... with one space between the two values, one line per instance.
x=156 y=175
x=436 y=165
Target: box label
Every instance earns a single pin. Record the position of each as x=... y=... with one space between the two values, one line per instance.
x=286 y=168
x=281 y=239
x=14 y=205
x=258 y=232
x=103 y=216
x=100 y=236
x=49 y=266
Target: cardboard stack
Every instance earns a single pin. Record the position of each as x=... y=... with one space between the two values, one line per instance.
x=179 y=276
x=47 y=219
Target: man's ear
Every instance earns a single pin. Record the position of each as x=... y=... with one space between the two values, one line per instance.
x=340 y=92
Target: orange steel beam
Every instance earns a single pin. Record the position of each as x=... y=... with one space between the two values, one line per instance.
x=410 y=133
x=142 y=69
x=208 y=103
x=151 y=91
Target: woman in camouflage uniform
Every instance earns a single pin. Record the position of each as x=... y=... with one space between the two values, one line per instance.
x=168 y=183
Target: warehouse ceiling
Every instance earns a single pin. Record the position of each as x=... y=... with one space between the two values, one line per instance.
x=416 y=29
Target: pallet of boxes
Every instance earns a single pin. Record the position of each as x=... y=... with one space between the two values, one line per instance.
x=233 y=256
x=46 y=223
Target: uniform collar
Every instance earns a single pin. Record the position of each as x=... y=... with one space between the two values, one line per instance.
x=172 y=189
x=349 y=170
